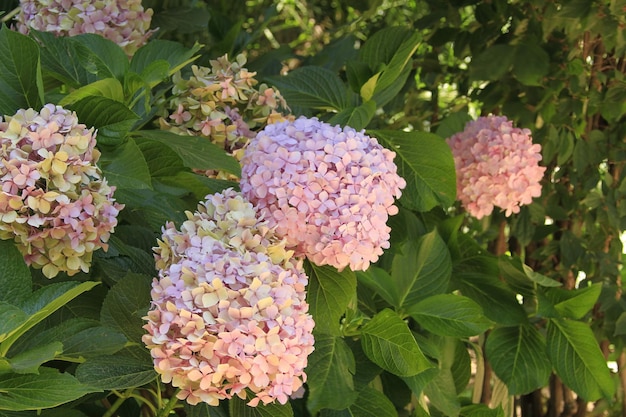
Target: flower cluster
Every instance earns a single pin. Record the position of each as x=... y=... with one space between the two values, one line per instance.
x=229 y=311
x=54 y=202
x=124 y=22
x=222 y=103
x=327 y=190
x=497 y=165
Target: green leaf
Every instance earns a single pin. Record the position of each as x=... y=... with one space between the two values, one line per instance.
x=388 y=342
x=450 y=315
x=115 y=372
x=61 y=59
x=101 y=56
x=497 y=300
x=517 y=356
x=530 y=64
x=126 y=167
x=125 y=305
x=328 y=295
x=329 y=374
x=381 y=282
x=204 y=410
x=43 y=303
x=313 y=87
x=94 y=341
x=417 y=383
x=481 y=410
x=11 y=317
x=356 y=117
x=421 y=269
x=239 y=408
x=174 y=53
x=372 y=403
x=492 y=63
x=574 y=304
x=21 y=83
x=32 y=392
x=15 y=279
x=29 y=362
x=108 y=87
x=441 y=392
x=112 y=118
x=425 y=161
x=195 y=152
x=575 y=355
x=452 y=124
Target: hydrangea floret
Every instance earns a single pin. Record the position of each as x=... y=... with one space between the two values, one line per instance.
x=328 y=190
x=124 y=22
x=223 y=103
x=497 y=164
x=229 y=315
x=54 y=203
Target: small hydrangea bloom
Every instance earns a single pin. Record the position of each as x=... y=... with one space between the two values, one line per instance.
x=124 y=22
x=54 y=202
x=223 y=103
x=228 y=308
x=327 y=190
x=496 y=165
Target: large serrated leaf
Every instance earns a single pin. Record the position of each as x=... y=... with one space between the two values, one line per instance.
x=450 y=315
x=575 y=355
x=388 y=342
x=32 y=392
x=313 y=87
x=328 y=295
x=492 y=63
x=195 y=152
x=422 y=268
x=517 y=356
x=28 y=362
x=329 y=371
x=126 y=167
x=372 y=403
x=15 y=279
x=574 y=304
x=425 y=161
x=125 y=305
x=356 y=117
x=101 y=56
x=108 y=87
x=115 y=372
x=21 y=83
x=174 y=53
x=239 y=408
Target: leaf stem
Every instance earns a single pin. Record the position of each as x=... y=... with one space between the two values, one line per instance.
x=171 y=404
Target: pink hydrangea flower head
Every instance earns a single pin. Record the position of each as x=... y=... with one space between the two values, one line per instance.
x=223 y=103
x=328 y=190
x=497 y=164
x=229 y=310
x=54 y=202
x=124 y=22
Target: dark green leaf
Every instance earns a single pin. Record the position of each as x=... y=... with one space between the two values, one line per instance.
x=126 y=167
x=32 y=392
x=21 y=83
x=28 y=362
x=388 y=342
x=530 y=64
x=492 y=63
x=441 y=391
x=195 y=152
x=174 y=53
x=574 y=304
x=101 y=56
x=115 y=372
x=108 y=87
x=356 y=117
x=481 y=410
x=11 y=317
x=450 y=315
x=112 y=118
x=372 y=403
x=328 y=295
x=94 y=341
x=313 y=87
x=329 y=371
x=452 y=124
x=575 y=355
x=517 y=356
x=125 y=305
x=380 y=281
x=15 y=279
x=425 y=161
x=239 y=408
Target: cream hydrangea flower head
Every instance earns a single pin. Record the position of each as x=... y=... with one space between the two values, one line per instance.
x=124 y=22
x=327 y=190
x=497 y=164
x=223 y=103
x=229 y=312
x=54 y=203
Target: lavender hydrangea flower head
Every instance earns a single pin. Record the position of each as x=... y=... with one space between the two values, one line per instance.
x=229 y=311
x=497 y=164
x=54 y=203
x=224 y=103
x=124 y=22
x=328 y=190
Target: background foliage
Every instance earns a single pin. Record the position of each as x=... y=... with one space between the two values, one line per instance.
x=504 y=316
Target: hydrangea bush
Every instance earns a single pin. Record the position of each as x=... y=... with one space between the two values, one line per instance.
x=55 y=203
x=368 y=241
